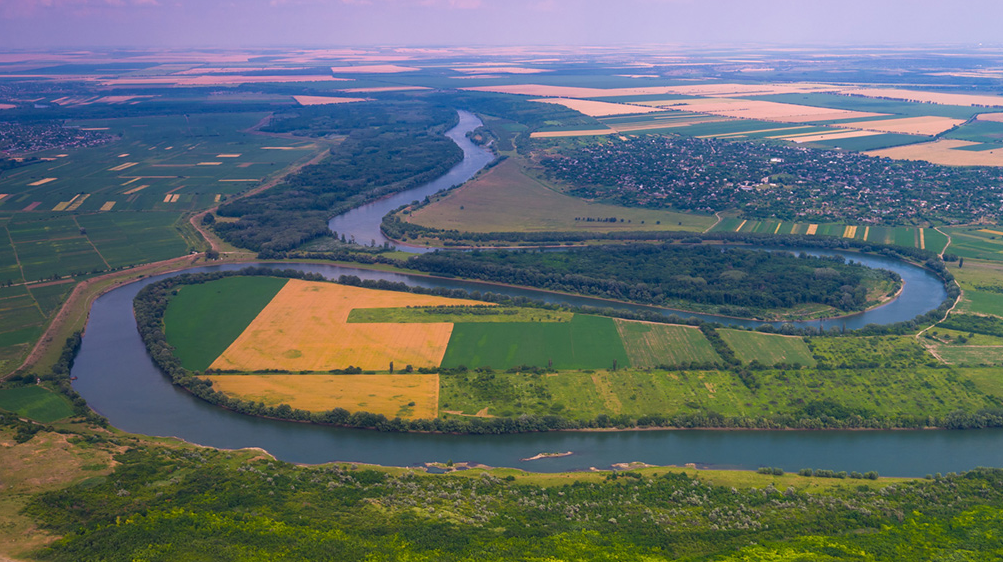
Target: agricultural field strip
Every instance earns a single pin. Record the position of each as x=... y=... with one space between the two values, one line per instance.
x=407 y=396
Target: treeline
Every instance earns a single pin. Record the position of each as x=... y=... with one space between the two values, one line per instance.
x=667 y=274
x=388 y=148
x=974 y=324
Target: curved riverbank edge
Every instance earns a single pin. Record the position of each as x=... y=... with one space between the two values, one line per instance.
x=151 y=303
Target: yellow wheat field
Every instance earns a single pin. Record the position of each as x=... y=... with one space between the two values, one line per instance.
x=943 y=152
x=766 y=110
x=849 y=232
x=599 y=108
x=304 y=328
x=812 y=229
x=924 y=125
x=998 y=117
x=107 y=206
x=927 y=97
x=324 y=100
x=379 y=394
x=42 y=181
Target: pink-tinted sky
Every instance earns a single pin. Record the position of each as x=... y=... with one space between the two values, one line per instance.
x=33 y=24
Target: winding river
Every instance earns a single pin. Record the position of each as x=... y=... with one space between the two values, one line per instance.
x=119 y=380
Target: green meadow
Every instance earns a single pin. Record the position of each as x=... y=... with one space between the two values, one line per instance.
x=203 y=320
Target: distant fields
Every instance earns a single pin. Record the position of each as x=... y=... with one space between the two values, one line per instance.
x=203 y=320
x=908 y=236
x=587 y=342
x=35 y=402
x=767 y=349
x=506 y=199
x=161 y=163
x=43 y=245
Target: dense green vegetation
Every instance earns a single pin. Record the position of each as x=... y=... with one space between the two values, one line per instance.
x=170 y=504
x=204 y=319
x=767 y=349
x=733 y=281
x=399 y=146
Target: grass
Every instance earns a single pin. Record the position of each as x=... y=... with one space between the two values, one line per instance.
x=981 y=302
x=128 y=238
x=970 y=355
x=982 y=284
x=587 y=342
x=890 y=352
x=506 y=199
x=918 y=391
x=203 y=320
x=424 y=315
x=975 y=242
x=650 y=345
x=768 y=349
x=35 y=402
x=406 y=396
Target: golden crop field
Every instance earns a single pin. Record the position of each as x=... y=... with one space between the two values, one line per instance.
x=390 y=395
x=324 y=100
x=305 y=328
x=943 y=152
x=765 y=110
x=598 y=108
x=925 y=125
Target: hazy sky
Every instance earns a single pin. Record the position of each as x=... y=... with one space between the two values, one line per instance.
x=254 y=23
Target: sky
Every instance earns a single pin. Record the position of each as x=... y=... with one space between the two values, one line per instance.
x=40 y=24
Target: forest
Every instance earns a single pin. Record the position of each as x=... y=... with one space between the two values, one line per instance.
x=667 y=274
x=399 y=146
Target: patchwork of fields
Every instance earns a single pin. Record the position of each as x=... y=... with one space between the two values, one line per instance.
x=278 y=341
x=902 y=124
x=908 y=236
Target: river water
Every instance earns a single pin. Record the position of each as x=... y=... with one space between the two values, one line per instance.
x=119 y=380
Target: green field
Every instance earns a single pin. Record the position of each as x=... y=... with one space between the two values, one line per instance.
x=35 y=402
x=47 y=245
x=423 y=315
x=876 y=105
x=587 y=342
x=24 y=311
x=768 y=349
x=971 y=355
x=728 y=127
x=978 y=131
x=650 y=345
x=982 y=302
x=203 y=320
x=871 y=142
x=973 y=242
x=917 y=391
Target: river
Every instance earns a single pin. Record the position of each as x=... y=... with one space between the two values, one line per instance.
x=119 y=380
